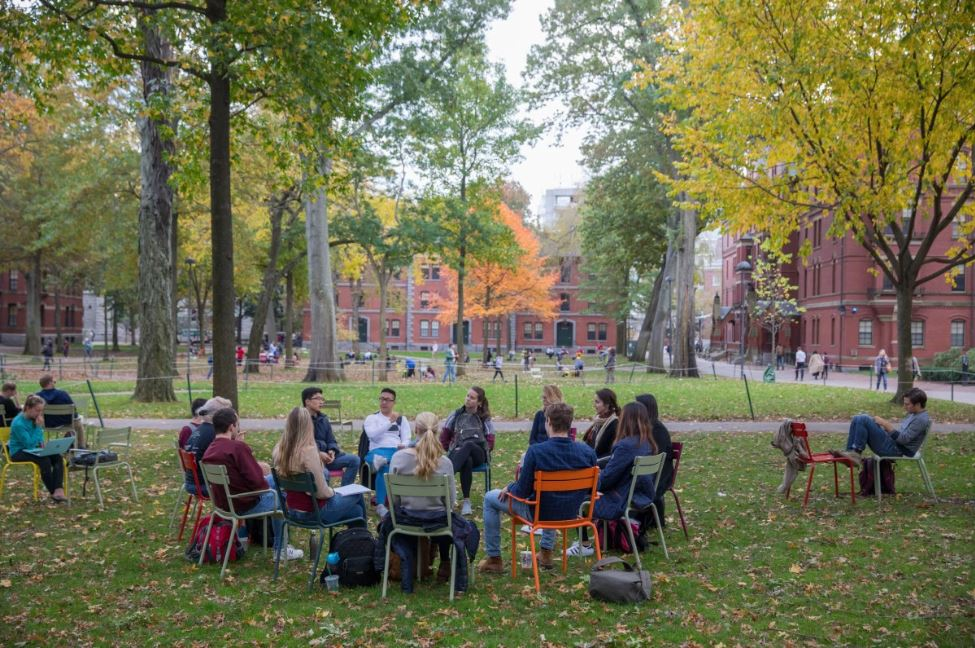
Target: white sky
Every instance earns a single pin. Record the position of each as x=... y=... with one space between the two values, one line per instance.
x=546 y=164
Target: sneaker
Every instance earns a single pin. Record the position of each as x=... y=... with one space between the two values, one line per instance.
x=381 y=510
x=545 y=559
x=292 y=553
x=527 y=529
x=466 y=508
x=580 y=550
x=853 y=456
x=491 y=565
x=378 y=462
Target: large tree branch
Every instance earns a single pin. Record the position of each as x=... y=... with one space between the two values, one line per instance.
x=945 y=264
x=150 y=6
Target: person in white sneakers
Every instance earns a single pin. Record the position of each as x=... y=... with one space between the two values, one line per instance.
x=388 y=431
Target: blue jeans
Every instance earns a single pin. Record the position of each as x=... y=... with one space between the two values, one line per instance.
x=269 y=502
x=380 y=482
x=336 y=509
x=865 y=432
x=882 y=376
x=349 y=464
x=493 y=508
x=450 y=373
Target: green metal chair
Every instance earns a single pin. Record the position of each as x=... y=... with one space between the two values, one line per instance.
x=117 y=440
x=216 y=476
x=60 y=430
x=305 y=483
x=182 y=488
x=919 y=460
x=652 y=465
x=436 y=486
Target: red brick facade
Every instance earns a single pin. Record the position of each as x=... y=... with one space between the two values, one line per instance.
x=13 y=310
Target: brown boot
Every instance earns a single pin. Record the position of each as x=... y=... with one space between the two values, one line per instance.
x=443 y=572
x=545 y=559
x=491 y=565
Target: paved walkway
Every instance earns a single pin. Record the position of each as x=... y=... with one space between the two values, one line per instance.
x=524 y=426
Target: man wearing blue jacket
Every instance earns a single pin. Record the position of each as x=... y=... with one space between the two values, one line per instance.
x=328 y=448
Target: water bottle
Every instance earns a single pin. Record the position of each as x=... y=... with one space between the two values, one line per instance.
x=332 y=562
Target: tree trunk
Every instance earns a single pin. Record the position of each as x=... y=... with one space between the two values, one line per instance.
x=356 y=289
x=221 y=225
x=58 y=337
x=682 y=344
x=269 y=283
x=240 y=321
x=640 y=353
x=622 y=333
x=289 y=318
x=382 y=278
x=115 y=346
x=174 y=281
x=905 y=350
x=459 y=325
x=157 y=353
x=323 y=363
x=32 y=340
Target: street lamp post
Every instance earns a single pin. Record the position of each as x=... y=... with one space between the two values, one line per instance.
x=742 y=269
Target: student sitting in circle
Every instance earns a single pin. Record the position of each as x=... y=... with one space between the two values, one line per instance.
x=388 y=431
x=27 y=433
x=468 y=436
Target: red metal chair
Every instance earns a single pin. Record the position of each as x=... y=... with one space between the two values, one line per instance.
x=585 y=479
x=678 y=449
x=188 y=461
x=800 y=433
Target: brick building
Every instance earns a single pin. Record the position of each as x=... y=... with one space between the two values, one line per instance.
x=13 y=311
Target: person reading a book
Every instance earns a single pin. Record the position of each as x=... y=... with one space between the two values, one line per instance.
x=27 y=433
x=296 y=453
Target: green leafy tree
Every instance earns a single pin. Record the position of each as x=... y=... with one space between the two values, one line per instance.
x=775 y=303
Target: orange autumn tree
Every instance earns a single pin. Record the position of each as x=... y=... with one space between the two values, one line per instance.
x=494 y=291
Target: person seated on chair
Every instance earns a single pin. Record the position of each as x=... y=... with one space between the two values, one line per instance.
x=53 y=396
x=424 y=460
x=329 y=452
x=187 y=430
x=468 y=436
x=602 y=432
x=633 y=439
x=661 y=437
x=201 y=438
x=886 y=439
x=388 y=431
x=551 y=394
x=558 y=453
x=245 y=475
x=27 y=433
x=9 y=408
x=297 y=453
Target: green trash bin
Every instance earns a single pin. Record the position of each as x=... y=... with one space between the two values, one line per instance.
x=769 y=375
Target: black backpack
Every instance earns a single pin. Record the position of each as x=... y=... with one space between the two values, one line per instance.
x=355 y=548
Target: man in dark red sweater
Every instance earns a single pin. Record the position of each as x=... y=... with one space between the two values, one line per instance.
x=245 y=474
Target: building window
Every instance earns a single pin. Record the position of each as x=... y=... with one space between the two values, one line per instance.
x=888 y=284
x=832 y=331
x=603 y=330
x=424 y=328
x=590 y=331
x=539 y=331
x=956 y=228
x=13 y=280
x=434 y=328
x=12 y=315
x=565 y=270
x=833 y=280
x=959 y=282
x=429 y=272
x=392 y=327
x=957 y=334
x=526 y=330
x=564 y=302
x=360 y=300
x=866 y=333
x=917 y=333
x=424 y=299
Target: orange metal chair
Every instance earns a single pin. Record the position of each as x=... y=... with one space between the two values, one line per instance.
x=188 y=461
x=585 y=479
x=800 y=433
x=678 y=449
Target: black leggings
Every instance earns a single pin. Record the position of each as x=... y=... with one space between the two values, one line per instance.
x=52 y=469
x=465 y=458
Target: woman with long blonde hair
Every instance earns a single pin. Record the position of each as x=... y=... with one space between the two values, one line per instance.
x=424 y=460
x=296 y=453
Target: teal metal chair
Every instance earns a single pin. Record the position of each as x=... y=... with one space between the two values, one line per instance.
x=305 y=483
x=919 y=460
x=437 y=486
x=215 y=476
x=486 y=469
x=652 y=465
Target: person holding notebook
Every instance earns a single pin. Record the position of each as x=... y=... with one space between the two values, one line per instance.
x=27 y=433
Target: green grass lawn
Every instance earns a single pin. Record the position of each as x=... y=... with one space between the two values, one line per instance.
x=758 y=570
x=704 y=399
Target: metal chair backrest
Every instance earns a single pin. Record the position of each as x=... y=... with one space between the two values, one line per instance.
x=216 y=475
x=648 y=465
x=188 y=461
x=60 y=410
x=800 y=433
x=81 y=405
x=5 y=441
x=436 y=486
x=301 y=483
x=560 y=481
x=677 y=449
x=119 y=438
x=335 y=405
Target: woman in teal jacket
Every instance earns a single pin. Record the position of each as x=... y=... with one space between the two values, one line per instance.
x=27 y=433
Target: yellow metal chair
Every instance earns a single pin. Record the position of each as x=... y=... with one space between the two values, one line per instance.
x=10 y=463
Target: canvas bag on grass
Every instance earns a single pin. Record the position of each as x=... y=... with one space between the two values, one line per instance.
x=626 y=586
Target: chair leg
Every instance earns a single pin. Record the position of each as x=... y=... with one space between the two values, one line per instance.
x=636 y=550
x=926 y=478
x=836 y=480
x=565 y=549
x=660 y=530
x=135 y=495
x=389 y=540
x=230 y=543
x=172 y=516
x=683 y=524
x=853 y=495
x=514 y=549
x=538 y=583
x=877 y=486
x=812 y=470
x=206 y=541
x=98 y=488
x=318 y=555
x=595 y=543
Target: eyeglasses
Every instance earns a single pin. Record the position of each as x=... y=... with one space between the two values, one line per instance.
x=318 y=398
x=387 y=398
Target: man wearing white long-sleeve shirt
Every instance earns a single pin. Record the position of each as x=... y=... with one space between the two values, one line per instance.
x=388 y=431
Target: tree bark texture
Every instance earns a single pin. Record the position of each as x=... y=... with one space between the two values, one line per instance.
x=905 y=350
x=32 y=340
x=156 y=363
x=58 y=338
x=646 y=328
x=270 y=280
x=323 y=362
x=684 y=364
x=222 y=228
x=289 y=318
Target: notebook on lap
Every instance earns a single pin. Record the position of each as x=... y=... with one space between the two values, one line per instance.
x=53 y=447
